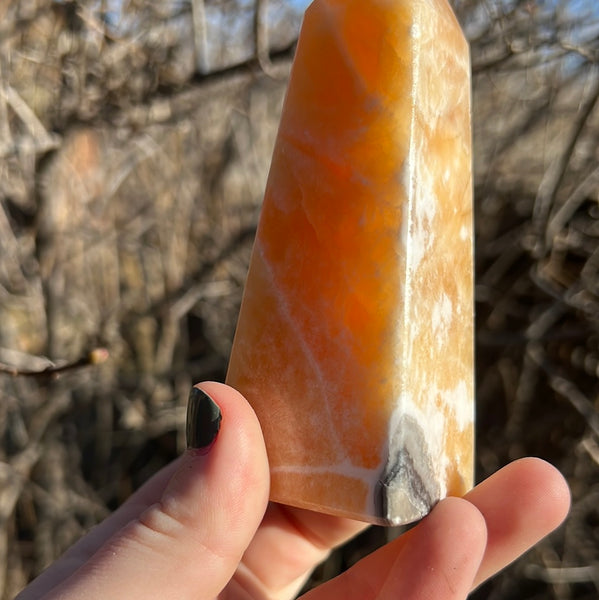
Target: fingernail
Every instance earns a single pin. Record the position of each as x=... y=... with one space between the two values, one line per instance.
x=203 y=420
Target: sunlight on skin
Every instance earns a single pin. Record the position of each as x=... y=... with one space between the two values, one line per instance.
x=201 y=528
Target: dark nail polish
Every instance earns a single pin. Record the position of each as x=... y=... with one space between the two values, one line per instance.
x=203 y=420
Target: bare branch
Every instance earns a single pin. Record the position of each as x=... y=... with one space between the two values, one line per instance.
x=95 y=357
x=554 y=176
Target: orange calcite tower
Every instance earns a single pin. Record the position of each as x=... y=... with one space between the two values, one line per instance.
x=355 y=338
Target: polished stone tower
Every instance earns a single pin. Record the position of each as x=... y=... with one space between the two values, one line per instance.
x=355 y=337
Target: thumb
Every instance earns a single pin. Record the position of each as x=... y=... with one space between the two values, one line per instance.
x=189 y=543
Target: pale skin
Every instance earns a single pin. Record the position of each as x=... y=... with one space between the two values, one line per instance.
x=202 y=528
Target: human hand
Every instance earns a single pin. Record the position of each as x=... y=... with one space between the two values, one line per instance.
x=202 y=528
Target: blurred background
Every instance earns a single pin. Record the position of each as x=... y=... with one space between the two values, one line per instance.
x=135 y=139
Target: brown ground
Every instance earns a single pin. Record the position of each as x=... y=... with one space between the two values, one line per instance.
x=129 y=193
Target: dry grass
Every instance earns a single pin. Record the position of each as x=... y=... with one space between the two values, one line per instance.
x=129 y=193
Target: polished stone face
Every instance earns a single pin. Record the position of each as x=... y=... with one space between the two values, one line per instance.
x=355 y=337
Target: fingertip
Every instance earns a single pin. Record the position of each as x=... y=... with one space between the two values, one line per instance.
x=546 y=482
x=232 y=462
x=240 y=444
x=521 y=503
x=531 y=486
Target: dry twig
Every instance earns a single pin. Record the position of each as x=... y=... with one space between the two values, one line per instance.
x=95 y=357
